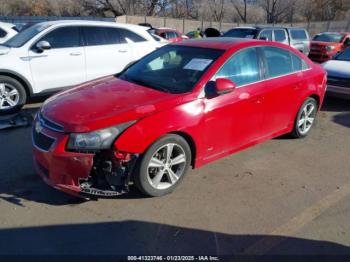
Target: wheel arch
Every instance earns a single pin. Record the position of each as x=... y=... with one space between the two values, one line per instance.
x=317 y=98
x=27 y=86
x=190 y=142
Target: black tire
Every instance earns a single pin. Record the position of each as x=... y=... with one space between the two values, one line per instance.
x=297 y=132
x=141 y=175
x=21 y=92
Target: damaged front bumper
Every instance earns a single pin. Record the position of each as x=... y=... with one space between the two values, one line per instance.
x=99 y=174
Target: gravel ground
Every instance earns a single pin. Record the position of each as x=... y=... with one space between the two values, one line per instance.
x=284 y=196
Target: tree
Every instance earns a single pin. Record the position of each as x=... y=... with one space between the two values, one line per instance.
x=275 y=10
x=217 y=9
x=241 y=8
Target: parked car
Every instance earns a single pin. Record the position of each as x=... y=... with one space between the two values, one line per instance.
x=325 y=45
x=159 y=39
x=212 y=32
x=169 y=34
x=50 y=56
x=338 y=70
x=185 y=104
x=292 y=36
x=7 y=31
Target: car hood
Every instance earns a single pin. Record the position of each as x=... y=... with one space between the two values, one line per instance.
x=318 y=43
x=103 y=103
x=337 y=68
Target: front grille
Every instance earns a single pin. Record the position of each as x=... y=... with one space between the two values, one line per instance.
x=338 y=81
x=49 y=124
x=42 y=141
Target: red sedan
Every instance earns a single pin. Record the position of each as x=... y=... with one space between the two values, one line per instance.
x=169 y=34
x=182 y=106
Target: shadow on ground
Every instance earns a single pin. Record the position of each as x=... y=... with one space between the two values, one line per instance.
x=334 y=104
x=138 y=237
x=342 y=119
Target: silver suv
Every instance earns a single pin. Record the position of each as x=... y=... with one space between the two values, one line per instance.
x=295 y=37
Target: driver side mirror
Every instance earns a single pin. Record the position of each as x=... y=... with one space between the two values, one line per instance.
x=264 y=38
x=224 y=86
x=42 y=46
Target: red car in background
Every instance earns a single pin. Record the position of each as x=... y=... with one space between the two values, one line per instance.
x=169 y=34
x=325 y=45
x=184 y=105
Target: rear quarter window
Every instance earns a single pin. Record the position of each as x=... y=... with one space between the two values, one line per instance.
x=97 y=35
x=298 y=63
x=298 y=34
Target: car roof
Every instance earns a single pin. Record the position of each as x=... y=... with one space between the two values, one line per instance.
x=258 y=27
x=165 y=29
x=93 y=23
x=338 y=33
x=224 y=43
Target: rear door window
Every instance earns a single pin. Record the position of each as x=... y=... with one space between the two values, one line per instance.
x=95 y=36
x=280 y=35
x=242 y=68
x=298 y=34
x=278 y=62
x=63 y=37
x=171 y=35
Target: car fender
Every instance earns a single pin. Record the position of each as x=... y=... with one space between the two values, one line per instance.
x=20 y=77
x=183 y=118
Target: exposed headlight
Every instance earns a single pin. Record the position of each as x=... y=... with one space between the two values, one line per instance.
x=97 y=140
x=330 y=48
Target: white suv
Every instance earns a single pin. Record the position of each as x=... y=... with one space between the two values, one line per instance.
x=50 y=56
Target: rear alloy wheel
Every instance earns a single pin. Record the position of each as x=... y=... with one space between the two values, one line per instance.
x=305 y=118
x=12 y=95
x=163 y=166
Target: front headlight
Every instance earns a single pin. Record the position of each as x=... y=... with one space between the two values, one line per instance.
x=330 y=48
x=97 y=140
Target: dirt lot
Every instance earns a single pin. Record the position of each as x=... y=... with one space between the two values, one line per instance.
x=282 y=197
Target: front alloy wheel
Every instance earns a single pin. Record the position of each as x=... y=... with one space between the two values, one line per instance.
x=12 y=95
x=166 y=166
x=163 y=166
x=9 y=96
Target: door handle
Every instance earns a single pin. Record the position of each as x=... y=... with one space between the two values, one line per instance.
x=122 y=51
x=75 y=54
